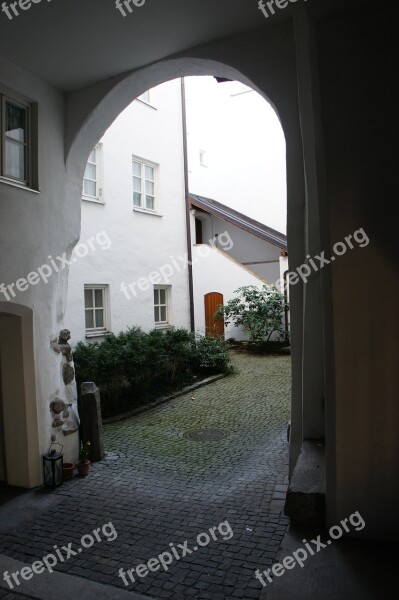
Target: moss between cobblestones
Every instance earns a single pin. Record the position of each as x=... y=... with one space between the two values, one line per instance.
x=257 y=393
x=158 y=487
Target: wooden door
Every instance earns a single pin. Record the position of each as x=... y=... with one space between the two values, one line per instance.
x=213 y=327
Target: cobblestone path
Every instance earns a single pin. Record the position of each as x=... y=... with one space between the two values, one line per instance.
x=160 y=487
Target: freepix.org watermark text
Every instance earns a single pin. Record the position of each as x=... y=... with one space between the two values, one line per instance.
x=176 y=264
x=176 y=552
x=310 y=549
x=54 y=265
x=319 y=261
x=14 y=9
x=125 y=6
x=59 y=555
x=268 y=8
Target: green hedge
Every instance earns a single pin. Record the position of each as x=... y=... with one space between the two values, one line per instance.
x=134 y=367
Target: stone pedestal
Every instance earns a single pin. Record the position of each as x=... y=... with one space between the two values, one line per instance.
x=306 y=497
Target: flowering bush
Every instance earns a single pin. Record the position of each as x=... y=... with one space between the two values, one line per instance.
x=260 y=311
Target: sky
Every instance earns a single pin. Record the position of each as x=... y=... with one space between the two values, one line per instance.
x=243 y=149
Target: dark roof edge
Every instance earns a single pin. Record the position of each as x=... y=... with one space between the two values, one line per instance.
x=236 y=218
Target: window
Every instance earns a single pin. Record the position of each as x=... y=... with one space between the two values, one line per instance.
x=96 y=309
x=144 y=175
x=145 y=97
x=162 y=306
x=198 y=231
x=92 y=185
x=15 y=140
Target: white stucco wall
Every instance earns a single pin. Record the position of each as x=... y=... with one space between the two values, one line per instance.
x=216 y=271
x=35 y=226
x=132 y=244
x=284 y=266
x=244 y=145
x=245 y=247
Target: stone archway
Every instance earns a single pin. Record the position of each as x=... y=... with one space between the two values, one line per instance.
x=92 y=110
x=281 y=77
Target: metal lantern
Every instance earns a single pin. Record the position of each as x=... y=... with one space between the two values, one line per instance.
x=52 y=467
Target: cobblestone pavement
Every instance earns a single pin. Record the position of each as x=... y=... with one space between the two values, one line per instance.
x=158 y=486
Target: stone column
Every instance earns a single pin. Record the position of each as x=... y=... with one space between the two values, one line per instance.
x=90 y=420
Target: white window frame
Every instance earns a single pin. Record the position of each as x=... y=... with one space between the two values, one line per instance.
x=98 y=331
x=168 y=304
x=146 y=163
x=99 y=197
x=16 y=101
x=145 y=97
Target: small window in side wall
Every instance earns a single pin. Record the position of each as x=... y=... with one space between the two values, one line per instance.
x=92 y=179
x=198 y=231
x=145 y=176
x=145 y=97
x=96 y=298
x=162 y=305
x=18 y=162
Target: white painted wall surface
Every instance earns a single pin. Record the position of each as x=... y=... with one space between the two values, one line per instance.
x=216 y=271
x=244 y=247
x=139 y=242
x=238 y=138
x=34 y=226
x=244 y=145
x=283 y=268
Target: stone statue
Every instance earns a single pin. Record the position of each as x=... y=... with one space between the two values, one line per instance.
x=62 y=346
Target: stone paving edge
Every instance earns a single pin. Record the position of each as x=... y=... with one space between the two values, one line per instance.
x=163 y=399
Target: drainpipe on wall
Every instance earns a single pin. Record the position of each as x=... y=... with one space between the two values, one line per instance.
x=187 y=198
x=287 y=331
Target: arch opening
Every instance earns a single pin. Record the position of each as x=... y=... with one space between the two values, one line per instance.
x=89 y=120
x=86 y=128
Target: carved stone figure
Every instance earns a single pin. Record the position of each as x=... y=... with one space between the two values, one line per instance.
x=69 y=427
x=68 y=421
x=62 y=346
x=57 y=406
x=64 y=337
x=68 y=373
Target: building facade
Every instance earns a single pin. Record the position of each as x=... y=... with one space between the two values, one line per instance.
x=230 y=250
x=129 y=266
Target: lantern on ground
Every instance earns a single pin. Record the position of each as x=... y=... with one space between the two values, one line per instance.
x=52 y=466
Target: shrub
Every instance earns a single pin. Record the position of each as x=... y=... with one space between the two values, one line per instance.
x=259 y=310
x=212 y=354
x=134 y=366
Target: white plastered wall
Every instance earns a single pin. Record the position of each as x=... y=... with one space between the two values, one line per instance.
x=133 y=244
x=216 y=271
x=34 y=226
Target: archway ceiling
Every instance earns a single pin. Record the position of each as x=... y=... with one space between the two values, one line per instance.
x=73 y=43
